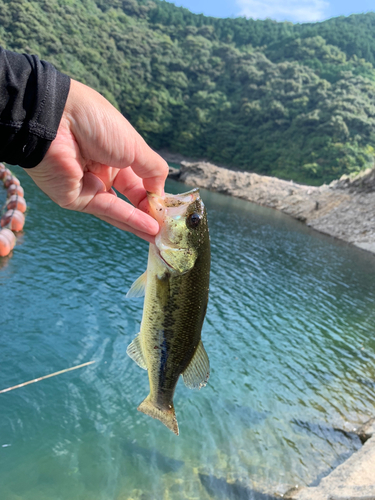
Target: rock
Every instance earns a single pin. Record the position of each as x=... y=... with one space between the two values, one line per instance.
x=364 y=181
x=292 y=492
x=174 y=173
x=220 y=488
x=352 y=480
x=366 y=431
x=345 y=209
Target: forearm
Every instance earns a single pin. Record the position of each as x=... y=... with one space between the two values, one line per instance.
x=32 y=99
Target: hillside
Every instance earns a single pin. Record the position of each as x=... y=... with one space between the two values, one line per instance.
x=295 y=101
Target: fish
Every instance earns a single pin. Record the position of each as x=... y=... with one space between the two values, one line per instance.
x=175 y=288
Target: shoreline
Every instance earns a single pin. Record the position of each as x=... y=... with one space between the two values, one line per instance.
x=352 y=480
x=344 y=209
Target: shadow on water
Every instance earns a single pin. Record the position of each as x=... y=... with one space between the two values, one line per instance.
x=245 y=414
x=134 y=452
x=329 y=433
x=220 y=489
x=339 y=460
x=334 y=436
x=4 y=261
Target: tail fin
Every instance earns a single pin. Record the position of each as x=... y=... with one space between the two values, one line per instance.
x=167 y=417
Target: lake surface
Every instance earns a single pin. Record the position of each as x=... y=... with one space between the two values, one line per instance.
x=290 y=332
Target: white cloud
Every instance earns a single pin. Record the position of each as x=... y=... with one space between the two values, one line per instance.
x=284 y=10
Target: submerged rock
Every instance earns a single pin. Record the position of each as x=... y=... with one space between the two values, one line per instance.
x=366 y=431
x=220 y=488
x=165 y=464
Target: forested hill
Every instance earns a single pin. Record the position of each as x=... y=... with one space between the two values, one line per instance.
x=295 y=101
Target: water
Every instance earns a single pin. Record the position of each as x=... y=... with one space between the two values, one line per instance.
x=290 y=333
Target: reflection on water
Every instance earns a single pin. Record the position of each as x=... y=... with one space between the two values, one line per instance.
x=290 y=333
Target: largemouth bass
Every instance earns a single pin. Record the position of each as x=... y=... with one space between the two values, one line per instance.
x=175 y=286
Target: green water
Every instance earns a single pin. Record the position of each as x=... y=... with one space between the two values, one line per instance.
x=290 y=332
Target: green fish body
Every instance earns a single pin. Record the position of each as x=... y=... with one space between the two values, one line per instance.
x=175 y=286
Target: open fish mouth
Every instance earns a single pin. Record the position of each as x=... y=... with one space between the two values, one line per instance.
x=182 y=199
x=171 y=205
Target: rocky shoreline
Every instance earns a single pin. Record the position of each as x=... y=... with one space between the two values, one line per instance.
x=344 y=209
x=352 y=480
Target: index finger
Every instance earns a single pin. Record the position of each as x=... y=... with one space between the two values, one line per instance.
x=130 y=185
x=150 y=166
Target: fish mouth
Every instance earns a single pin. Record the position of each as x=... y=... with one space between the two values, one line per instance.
x=171 y=205
x=173 y=199
x=176 y=200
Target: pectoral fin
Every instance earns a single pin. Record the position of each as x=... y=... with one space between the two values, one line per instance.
x=196 y=374
x=138 y=287
x=134 y=351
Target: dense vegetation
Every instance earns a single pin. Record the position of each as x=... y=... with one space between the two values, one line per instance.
x=296 y=101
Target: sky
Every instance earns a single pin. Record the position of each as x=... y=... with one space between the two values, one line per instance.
x=296 y=11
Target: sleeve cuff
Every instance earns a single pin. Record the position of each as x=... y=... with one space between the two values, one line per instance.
x=36 y=111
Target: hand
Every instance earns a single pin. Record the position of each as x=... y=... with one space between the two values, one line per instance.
x=96 y=149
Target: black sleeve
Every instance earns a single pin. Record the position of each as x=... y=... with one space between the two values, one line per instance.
x=32 y=99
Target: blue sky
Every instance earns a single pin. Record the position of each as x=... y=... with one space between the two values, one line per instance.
x=298 y=11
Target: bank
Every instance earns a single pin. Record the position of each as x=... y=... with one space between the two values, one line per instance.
x=352 y=480
x=344 y=209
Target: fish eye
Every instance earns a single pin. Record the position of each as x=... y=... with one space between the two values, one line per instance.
x=193 y=220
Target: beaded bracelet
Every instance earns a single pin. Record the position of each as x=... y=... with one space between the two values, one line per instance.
x=13 y=219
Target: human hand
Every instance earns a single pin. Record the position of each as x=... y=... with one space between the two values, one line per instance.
x=96 y=149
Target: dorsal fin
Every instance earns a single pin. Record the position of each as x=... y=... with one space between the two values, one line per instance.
x=138 y=287
x=196 y=374
x=134 y=351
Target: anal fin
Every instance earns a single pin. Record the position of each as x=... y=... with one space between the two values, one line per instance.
x=134 y=351
x=198 y=371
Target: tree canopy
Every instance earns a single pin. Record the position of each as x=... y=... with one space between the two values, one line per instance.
x=291 y=100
